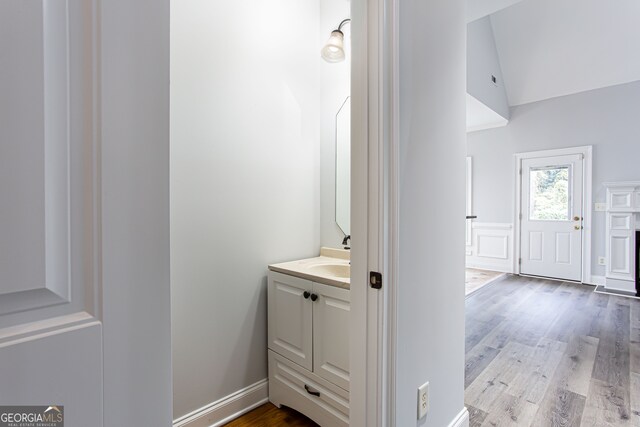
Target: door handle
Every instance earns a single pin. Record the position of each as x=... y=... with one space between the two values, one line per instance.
x=577 y=227
x=577 y=218
x=306 y=294
x=310 y=391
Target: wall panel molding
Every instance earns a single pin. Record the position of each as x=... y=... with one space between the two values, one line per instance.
x=491 y=247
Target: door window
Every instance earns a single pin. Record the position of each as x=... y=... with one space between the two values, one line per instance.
x=549 y=193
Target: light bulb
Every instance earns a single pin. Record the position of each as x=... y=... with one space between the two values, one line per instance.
x=333 y=51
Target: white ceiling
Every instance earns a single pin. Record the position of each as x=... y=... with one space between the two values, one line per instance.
x=550 y=48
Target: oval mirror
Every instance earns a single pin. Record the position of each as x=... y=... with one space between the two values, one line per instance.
x=343 y=166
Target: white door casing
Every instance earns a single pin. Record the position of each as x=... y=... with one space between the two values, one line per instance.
x=552 y=228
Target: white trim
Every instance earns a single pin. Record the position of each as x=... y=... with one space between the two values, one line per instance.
x=469 y=182
x=501 y=259
x=478 y=265
x=369 y=133
x=587 y=153
x=493 y=225
x=228 y=408
x=597 y=280
x=623 y=184
x=392 y=200
x=461 y=420
x=620 y=285
x=607 y=291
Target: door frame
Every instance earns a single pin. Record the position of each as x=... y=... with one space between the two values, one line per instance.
x=373 y=210
x=587 y=192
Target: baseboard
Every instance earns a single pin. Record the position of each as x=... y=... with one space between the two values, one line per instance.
x=597 y=280
x=601 y=289
x=461 y=420
x=228 y=408
x=488 y=267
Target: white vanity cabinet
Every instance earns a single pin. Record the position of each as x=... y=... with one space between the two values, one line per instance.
x=308 y=335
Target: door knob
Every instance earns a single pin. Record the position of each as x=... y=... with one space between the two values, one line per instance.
x=306 y=294
x=577 y=218
x=314 y=297
x=577 y=227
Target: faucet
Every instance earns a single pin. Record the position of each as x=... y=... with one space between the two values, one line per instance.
x=345 y=241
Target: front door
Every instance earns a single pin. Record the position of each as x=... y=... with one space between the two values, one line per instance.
x=551 y=217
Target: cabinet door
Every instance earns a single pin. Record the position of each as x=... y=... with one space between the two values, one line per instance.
x=331 y=334
x=290 y=318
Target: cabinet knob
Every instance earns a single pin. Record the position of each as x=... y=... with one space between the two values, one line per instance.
x=306 y=294
x=314 y=297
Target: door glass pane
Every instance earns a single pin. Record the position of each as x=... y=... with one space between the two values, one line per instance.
x=549 y=193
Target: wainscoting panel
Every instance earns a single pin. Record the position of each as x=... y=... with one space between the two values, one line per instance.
x=491 y=247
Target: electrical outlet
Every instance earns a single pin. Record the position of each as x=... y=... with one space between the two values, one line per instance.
x=601 y=207
x=423 y=400
x=602 y=260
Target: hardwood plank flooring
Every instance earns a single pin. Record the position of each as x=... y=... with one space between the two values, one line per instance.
x=475 y=279
x=544 y=353
x=268 y=415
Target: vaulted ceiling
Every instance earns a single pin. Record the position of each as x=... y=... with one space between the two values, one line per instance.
x=550 y=48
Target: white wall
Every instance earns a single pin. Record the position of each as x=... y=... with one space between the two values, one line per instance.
x=482 y=63
x=335 y=85
x=430 y=330
x=245 y=180
x=605 y=118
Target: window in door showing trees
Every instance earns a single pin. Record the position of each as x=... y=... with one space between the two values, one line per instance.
x=549 y=193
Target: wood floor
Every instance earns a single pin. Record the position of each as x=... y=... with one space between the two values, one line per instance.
x=538 y=353
x=268 y=415
x=475 y=279
x=542 y=353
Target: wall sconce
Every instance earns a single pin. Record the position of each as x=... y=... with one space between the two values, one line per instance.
x=333 y=51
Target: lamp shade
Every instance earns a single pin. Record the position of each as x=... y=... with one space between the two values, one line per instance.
x=333 y=51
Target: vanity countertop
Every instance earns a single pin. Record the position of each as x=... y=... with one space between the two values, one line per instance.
x=330 y=268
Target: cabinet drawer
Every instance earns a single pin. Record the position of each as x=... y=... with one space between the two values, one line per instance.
x=293 y=386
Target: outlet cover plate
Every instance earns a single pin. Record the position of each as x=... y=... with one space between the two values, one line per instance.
x=423 y=400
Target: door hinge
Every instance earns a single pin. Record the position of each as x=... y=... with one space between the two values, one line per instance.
x=375 y=279
x=520 y=261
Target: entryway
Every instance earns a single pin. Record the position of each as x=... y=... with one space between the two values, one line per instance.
x=551 y=216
